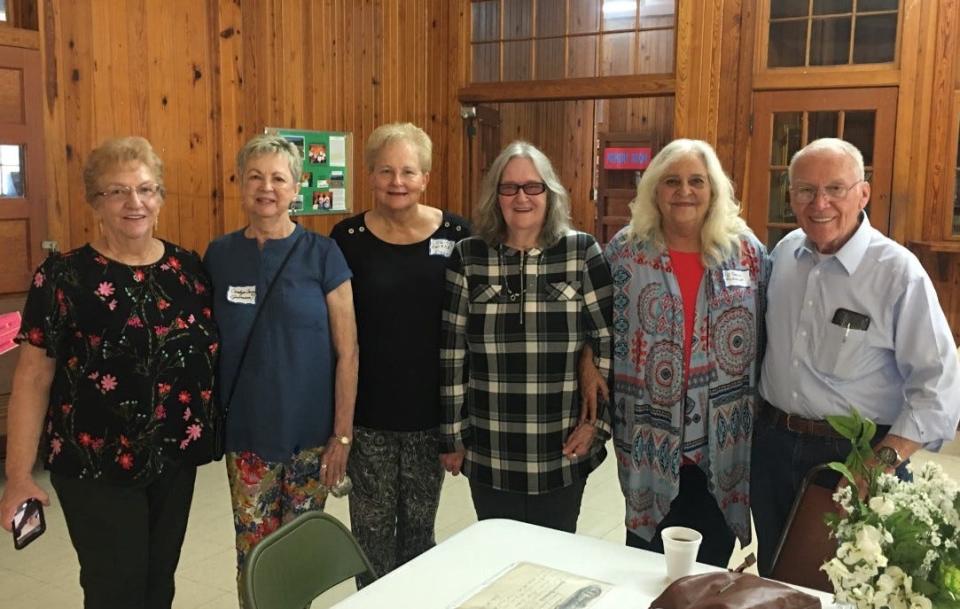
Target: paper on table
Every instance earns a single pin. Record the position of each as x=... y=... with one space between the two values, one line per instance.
x=526 y=585
x=9 y=327
x=338 y=151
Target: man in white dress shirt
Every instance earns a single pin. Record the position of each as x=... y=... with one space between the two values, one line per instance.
x=853 y=321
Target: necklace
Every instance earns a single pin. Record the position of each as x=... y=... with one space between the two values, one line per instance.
x=521 y=293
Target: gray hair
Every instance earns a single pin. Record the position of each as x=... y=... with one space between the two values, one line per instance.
x=488 y=218
x=834 y=145
x=399 y=132
x=722 y=226
x=271 y=144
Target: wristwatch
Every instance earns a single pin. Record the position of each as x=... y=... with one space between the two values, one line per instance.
x=888 y=456
x=345 y=440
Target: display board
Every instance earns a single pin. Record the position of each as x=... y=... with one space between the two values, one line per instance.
x=324 y=179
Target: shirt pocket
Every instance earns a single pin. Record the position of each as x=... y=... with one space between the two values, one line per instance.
x=840 y=351
x=564 y=293
x=485 y=293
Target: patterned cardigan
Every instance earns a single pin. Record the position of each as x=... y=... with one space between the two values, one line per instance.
x=651 y=411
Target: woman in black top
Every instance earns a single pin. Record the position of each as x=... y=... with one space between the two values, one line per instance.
x=398 y=253
x=116 y=373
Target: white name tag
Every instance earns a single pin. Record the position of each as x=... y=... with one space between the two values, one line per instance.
x=242 y=294
x=441 y=247
x=733 y=278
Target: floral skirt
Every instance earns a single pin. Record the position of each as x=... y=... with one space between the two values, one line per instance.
x=266 y=494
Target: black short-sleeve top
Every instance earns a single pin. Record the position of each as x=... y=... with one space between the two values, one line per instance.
x=135 y=350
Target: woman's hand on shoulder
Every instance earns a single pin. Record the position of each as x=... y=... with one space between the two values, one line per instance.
x=14 y=494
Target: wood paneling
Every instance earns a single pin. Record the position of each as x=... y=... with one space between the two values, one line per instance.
x=200 y=78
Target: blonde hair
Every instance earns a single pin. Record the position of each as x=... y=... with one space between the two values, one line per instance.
x=399 y=132
x=117 y=152
x=266 y=143
x=488 y=220
x=722 y=227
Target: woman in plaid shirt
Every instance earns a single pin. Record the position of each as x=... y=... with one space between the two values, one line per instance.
x=522 y=300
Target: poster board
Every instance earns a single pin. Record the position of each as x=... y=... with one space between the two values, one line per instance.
x=325 y=177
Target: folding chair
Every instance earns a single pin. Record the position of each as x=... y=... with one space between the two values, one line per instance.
x=806 y=543
x=300 y=561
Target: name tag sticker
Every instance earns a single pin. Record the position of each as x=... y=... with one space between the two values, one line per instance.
x=441 y=247
x=242 y=294
x=733 y=278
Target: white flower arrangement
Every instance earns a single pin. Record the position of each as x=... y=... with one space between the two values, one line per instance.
x=897 y=547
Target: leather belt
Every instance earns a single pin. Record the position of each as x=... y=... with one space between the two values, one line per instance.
x=798 y=424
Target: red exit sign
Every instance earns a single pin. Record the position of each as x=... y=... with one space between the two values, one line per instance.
x=635 y=157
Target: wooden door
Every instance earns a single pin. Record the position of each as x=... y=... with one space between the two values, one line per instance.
x=785 y=121
x=23 y=211
x=483 y=146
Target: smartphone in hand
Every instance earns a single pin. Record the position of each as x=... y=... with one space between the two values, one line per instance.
x=28 y=523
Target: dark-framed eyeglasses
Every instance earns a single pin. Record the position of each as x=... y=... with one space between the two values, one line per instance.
x=805 y=193
x=145 y=192
x=509 y=189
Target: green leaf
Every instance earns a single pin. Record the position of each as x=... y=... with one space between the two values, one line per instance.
x=847 y=426
x=840 y=467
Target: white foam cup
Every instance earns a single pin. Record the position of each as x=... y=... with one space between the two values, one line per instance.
x=680 y=547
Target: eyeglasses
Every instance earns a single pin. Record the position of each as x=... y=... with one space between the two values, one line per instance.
x=122 y=193
x=508 y=189
x=834 y=192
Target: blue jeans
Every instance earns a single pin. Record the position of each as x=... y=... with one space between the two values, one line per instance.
x=779 y=461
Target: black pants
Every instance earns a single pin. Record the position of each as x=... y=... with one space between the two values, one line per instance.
x=695 y=508
x=127 y=539
x=557 y=509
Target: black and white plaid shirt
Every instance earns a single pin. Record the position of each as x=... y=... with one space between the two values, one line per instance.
x=513 y=326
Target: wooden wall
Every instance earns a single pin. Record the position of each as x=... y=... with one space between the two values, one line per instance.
x=198 y=78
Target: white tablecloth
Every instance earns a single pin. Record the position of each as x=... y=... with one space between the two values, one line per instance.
x=454 y=569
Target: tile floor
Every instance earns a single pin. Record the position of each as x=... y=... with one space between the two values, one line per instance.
x=46 y=573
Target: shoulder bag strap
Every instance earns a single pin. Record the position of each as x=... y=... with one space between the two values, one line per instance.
x=256 y=317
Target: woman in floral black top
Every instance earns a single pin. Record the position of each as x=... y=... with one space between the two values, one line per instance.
x=116 y=374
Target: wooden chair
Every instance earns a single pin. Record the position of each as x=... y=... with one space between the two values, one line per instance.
x=300 y=561
x=806 y=543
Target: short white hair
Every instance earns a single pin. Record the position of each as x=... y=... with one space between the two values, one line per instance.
x=835 y=146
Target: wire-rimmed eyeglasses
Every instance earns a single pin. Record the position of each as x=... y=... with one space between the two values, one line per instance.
x=144 y=192
x=805 y=193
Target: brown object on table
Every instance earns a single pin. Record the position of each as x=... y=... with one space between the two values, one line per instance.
x=731 y=590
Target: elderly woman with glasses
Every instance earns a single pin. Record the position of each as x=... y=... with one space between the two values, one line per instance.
x=523 y=298
x=689 y=281
x=288 y=373
x=117 y=358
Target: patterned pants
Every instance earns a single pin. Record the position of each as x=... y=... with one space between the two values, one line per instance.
x=396 y=490
x=267 y=494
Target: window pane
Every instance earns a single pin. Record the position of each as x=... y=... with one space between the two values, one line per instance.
x=786 y=137
x=780 y=211
x=774 y=235
x=658 y=13
x=517 y=19
x=829 y=7
x=656 y=52
x=581 y=56
x=584 y=17
x=788 y=8
x=956 y=195
x=486 y=20
x=549 y=59
x=619 y=14
x=876 y=38
x=830 y=42
x=486 y=62
x=551 y=16
x=823 y=124
x=864 y=6
x=617 y=58
x=11 y=173
x=858 y=129
x=788 y=40
x=3 y=10
x=516 y=60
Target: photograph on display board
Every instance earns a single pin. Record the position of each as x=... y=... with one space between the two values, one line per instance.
x=324 y=177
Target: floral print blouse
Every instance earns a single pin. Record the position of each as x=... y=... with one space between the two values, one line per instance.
x=135 y=350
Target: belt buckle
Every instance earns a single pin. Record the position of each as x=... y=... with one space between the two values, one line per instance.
x=789 y=426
